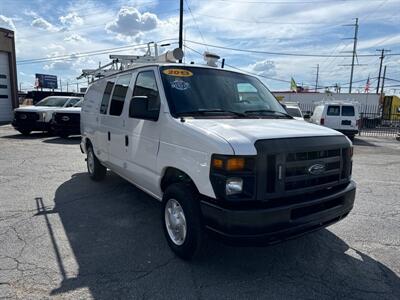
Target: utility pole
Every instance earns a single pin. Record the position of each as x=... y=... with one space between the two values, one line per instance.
x=316 y=79
x=380 y=67
x=354 y=54
x=181 y=26
x=60 y=86
x=67 y=86
x=77 y=87
x=383 y=81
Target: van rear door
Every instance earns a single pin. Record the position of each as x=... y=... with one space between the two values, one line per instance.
x=332 y=118
x=348 y=119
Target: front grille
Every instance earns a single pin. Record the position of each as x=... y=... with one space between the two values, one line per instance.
x=26 y=116
x=66 y=118
x=297 y=167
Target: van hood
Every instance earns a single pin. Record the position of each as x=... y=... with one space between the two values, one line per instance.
x=241 y=134
x=33 y=108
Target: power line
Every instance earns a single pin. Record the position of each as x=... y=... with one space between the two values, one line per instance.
x=243 y=20
x=83 y=54
x=281 y=53
x=194 y=20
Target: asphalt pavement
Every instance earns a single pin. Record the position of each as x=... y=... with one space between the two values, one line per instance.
x=65 y=236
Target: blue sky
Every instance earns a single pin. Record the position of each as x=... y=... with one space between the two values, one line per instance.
x=69 y=28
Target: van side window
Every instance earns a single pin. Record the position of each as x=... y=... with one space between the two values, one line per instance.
x=333 y=110
x=119 y=94
x=106 y=97
x=348 y=111
x=146 y=85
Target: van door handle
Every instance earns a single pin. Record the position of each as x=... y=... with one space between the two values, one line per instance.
x=126 y=141
x=109 y=136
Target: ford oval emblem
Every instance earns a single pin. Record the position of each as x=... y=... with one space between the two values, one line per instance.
x=65 y=119
x=316 y=169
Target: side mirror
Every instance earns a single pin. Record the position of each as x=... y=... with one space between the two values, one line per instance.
x=307 y=116
x=139 y=109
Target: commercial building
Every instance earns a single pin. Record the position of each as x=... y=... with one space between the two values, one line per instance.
x=8 y=76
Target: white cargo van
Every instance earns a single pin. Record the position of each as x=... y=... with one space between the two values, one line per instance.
x=341 y=116
x=219 y=151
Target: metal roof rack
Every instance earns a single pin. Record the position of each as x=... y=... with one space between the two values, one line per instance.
x=125 y=62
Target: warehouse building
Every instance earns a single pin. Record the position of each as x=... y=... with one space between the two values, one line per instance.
x=8 y=76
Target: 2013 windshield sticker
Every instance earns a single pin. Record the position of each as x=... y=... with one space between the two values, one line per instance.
x=178 y=72
x=180 y=85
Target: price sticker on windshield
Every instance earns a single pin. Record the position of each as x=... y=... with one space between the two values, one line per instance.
x=178 y=72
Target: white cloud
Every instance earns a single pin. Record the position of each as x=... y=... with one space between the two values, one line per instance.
x=74 y=38
x=264 y=68
x=6 y=22
x=41 y=23
x=71 y=19
x=130 y=22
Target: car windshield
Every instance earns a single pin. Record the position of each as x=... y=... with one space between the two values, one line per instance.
x=52 y=101
x=79 y=104
x=204 y=92
x=294 y=112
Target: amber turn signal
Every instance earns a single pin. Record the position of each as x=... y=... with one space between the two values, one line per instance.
x=235 y=164
x=217 y=163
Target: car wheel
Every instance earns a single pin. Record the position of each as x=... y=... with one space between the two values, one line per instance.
x=25 y=131
x=96 y=170
x=181 y=220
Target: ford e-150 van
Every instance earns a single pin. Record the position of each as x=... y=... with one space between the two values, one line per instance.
x=219 y=152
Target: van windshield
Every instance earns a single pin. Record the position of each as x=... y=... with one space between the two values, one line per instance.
x=294 y=112
x=52 y=102
x=204 y=92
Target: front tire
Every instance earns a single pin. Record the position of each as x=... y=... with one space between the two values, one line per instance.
x=25 y=132
x=181 y=220
x=96 y=170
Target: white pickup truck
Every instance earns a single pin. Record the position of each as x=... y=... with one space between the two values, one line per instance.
x=220 y=153
x=38 y=117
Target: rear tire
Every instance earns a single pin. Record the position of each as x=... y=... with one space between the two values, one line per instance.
x=96 y=170
x=25 y=132
x=181 y=218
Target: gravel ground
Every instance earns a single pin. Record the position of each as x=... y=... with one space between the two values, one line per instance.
x=64 y=236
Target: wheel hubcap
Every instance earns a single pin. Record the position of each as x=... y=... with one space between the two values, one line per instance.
x=175 y=222
x=90 y=161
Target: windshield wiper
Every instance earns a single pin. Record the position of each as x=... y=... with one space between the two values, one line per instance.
x=212 y=112
x=282 y=114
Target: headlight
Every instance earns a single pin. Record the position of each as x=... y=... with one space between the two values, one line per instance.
x=44 y=115
x=233 y=177
x=233 y=186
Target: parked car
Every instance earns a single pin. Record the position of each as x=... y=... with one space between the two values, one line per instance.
x=38 y=117
x=341 y=116
x=67 y=121
x=294 y=111
x=239 y=168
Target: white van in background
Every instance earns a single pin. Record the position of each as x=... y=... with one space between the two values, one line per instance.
x=341 y=116
x=294 y=110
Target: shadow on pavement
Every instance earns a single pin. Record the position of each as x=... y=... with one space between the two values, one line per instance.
x=115 y=234
x=58 y=140
x=32 y=136
x=361 y=142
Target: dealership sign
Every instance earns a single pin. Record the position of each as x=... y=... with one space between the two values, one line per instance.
x=46 y=81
